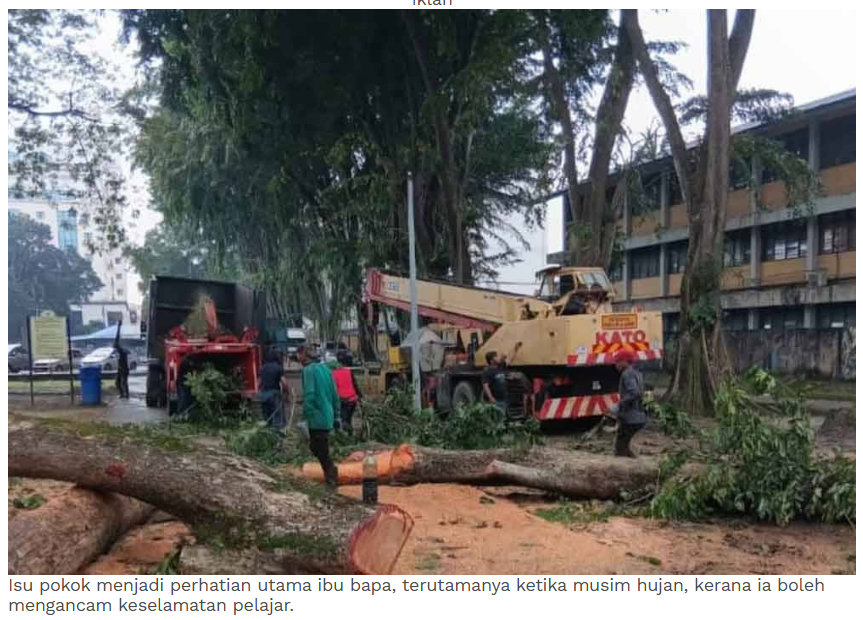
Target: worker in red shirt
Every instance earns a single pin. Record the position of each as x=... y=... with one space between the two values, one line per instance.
x=349 y=394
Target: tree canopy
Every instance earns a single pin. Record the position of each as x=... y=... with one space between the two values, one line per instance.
x=41 y=276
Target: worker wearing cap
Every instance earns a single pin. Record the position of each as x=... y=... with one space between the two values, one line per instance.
x=630 y=409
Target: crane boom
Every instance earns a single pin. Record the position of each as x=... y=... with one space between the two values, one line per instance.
x=464 y=306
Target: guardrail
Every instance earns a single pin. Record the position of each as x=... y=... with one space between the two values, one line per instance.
x=24 y=377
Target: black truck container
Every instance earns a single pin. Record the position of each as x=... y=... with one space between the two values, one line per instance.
x=170 y=301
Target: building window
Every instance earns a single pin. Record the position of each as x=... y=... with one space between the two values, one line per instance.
x=114 y=317
x=739 y=174
x=781 y=317
x=671 y=322
x=783 y=241
x=40 y=215
x=677 y=256
x=645 y=263
x=737 y=248
x=836 y=315
x=120 y=292
x=616 y=274
x=838 y=142
x=796 y=143
x=838 y=232
x=735 y=320
x=67 y=229
x=88 y=238
x=118 y=261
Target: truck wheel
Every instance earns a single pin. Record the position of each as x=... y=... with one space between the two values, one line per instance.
x=463 y=394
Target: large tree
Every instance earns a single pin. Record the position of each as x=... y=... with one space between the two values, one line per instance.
x=64 y=115
x=703 y=175
x=41 y=276
x=288 y=138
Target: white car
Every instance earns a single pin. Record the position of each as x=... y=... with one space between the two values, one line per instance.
x=56 y=364
x=106 y=357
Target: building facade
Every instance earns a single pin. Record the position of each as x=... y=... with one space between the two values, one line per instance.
x=786 y=266
x=72 y=230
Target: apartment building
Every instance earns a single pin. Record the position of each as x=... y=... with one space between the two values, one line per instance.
x=785 y=266
x=72 y=229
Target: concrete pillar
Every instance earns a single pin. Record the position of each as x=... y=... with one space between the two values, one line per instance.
x=663 y=270
x=814 y=145
x=627 y=281
x=627 y=217
x=752 y=319
x=811 y=243
x=755 y=256
x=664 y=198
x=809 y=317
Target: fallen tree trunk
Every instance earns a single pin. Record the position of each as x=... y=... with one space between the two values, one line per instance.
x=70 y=531
x=571 y=473
x=223 y=497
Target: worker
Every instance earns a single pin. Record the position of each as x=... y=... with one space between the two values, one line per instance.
x=494 y=382
x=273 y=380
x=320 y=402
x=122 y=380
x=349 y=394
x=631 y=417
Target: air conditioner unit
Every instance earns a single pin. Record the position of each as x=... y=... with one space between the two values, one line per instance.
x=816 y=279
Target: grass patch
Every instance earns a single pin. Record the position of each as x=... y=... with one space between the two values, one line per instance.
x=170 y=564
x=318 y=547
x=579 y=513
x=29 y=502
x=428 y=563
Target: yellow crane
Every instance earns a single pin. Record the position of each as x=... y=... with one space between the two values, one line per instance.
x=559 y=343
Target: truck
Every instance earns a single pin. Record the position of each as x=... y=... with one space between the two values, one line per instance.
x=235 y=321
x=559 y=343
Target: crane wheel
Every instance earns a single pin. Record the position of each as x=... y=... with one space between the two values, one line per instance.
x=464 y=394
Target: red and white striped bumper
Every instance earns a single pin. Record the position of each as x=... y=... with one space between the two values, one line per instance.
x=577 y=407
x=598 y=359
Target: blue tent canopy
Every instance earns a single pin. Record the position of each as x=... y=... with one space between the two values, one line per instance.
x=127 y=332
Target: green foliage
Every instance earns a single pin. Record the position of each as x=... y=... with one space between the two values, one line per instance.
x=671 y=420
x=170 y=564
x=259 y=443
x=64 y=115
x=41 y=276
x=761 y=466
x=477 y=426
x=168 y=252
x=215 y=394
x=29 y=502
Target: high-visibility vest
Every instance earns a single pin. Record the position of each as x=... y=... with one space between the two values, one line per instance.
x=345 y=384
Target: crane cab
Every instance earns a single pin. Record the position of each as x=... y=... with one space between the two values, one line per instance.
x=575 y=290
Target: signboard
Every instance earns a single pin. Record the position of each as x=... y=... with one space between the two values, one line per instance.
x=619 y=321
x=48 y=337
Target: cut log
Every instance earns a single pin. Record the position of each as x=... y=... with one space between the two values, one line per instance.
x=590 y=476
x=70 y=531
x=571 y=473
x=222 y=496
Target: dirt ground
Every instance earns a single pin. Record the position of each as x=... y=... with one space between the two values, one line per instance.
x=469 y=530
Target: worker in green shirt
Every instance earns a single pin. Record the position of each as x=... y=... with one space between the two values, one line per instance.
x=320 y=404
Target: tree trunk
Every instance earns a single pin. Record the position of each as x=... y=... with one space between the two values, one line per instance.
x=70 y=531
x=221 y=496
x=701 y=353
x=574 y=474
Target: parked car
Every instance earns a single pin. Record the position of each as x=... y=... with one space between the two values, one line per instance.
x=106 y=357
x=19 y=358
x=58 y=365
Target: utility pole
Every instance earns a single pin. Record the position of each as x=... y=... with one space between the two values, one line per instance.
x=415 y=345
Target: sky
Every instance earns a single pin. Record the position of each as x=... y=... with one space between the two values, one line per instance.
x=808 y=54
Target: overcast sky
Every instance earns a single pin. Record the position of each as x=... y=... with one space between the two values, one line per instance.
x=809 y=54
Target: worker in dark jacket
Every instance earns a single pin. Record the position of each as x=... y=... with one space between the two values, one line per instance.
x=320 y=404
x=273 y=379
x=122 y=380
x=631 y=417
